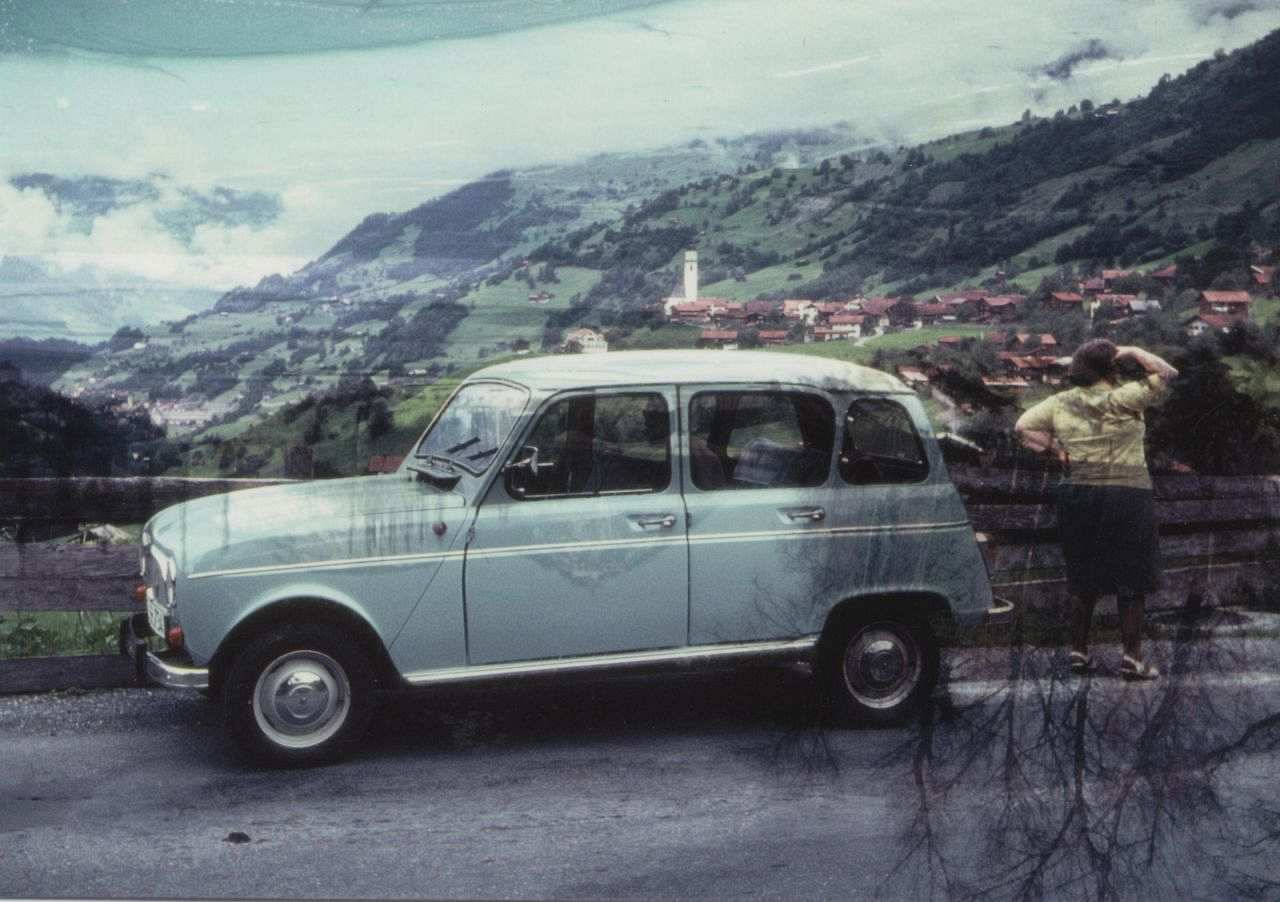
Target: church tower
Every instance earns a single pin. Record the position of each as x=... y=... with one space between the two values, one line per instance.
x=690 y=275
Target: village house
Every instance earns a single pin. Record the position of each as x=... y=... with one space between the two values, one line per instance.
x=718 y=338
x=382 y=464
x=1262 y=276
x=1210 y=322
x=759 y=311
x=850 y=324
x=773 y=336
x=801 y=309
x=895 y=312
x=1234 y=304
x=1111 y=276
x=1094 y=285
x=1066 y=300
x=913 y=376
x=1000 y=307
x=930 y=314
x=1167 y=275
x=587 y=341
x=824 y=333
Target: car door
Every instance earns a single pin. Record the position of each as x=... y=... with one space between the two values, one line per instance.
x=580 y=547
x=758 y=461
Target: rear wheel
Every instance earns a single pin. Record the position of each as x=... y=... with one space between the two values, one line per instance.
x=881 y=668
x=297 y=695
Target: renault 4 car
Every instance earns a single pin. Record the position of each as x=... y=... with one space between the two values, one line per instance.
x=569 y=514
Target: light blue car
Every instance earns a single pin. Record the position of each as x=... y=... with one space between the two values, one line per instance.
x=564 y=514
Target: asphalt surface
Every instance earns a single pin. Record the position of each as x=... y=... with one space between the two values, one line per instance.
x=1020 y=780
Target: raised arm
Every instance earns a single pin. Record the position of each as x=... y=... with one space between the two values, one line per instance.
x=1153 y=364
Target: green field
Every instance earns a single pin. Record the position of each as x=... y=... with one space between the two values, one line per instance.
x=894 y=341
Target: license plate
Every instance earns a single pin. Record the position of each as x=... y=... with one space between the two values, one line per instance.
x=155 y=614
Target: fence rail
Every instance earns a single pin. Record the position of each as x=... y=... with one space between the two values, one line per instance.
x=1217 y=533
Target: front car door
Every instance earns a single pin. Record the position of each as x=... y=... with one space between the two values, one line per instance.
x=580 y=548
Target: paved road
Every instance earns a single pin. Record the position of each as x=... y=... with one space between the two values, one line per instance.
x=1019 y=780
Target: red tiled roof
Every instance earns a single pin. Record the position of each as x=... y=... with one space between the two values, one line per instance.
x=878 y=306
x=1226 y=297
x=719 y=335
x=1094 y=284
x=952 y=339
x=932 y=309
x=1110 y=274
x=773 y=334
x=848 y=319
x=384 y=463
x=1262 y=275
x=1169 y=272
x=761 y=307
x=1067 y=297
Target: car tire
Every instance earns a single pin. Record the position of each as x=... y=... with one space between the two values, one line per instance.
x=880 y=668
x=297 y=695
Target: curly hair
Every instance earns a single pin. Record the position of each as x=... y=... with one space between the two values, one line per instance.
x=1092 y=362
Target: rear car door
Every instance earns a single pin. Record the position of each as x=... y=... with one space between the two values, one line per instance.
x=580 y=549
x=759 y=460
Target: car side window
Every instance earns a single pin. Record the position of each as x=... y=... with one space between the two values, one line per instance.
x=596 y=445
x=881 y=445
x=759 y=439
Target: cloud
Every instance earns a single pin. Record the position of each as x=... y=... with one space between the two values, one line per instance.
x=1092 y=49
x=150 y=228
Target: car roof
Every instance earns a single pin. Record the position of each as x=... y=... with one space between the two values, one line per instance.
x=560 y=371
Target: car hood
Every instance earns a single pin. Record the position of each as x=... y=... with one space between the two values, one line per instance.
x=321 y=521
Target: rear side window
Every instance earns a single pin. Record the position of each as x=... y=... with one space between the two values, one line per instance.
x=881 y=445
x=599 y=445
x=757 y=439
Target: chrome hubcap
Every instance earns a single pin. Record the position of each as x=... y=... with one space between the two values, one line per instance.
x=882 y=665
x=301 y=699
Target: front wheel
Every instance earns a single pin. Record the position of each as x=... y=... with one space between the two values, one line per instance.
x=882 y=668
x=297 y=695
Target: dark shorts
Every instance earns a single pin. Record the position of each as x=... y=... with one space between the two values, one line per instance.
x=1109 y=539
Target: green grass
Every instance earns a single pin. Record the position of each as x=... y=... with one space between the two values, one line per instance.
x=893 y=341
x=30 y=635
x=1266 y=310
x=769 y=279
x=675 y=336
x=502 y=313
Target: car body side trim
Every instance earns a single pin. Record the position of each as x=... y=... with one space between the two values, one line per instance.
x=690 y=654
x=601 y=545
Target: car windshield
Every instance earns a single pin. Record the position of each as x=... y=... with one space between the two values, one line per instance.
x=473 y=427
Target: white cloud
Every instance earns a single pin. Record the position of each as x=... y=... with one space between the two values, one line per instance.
x=132 y=242
x=28 y=221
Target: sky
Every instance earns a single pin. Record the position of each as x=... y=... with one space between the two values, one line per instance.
x=247 y=136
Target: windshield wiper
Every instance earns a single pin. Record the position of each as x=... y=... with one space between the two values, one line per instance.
x=481 y=455
x=462 y=446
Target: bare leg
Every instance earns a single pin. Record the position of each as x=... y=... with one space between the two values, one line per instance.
x=1081 y=620
x=1131 y=610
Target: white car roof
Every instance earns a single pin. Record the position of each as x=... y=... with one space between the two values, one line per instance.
x=616 y=368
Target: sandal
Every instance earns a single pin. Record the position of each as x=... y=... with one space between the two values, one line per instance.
x=1080 y=662
x=1133 y=669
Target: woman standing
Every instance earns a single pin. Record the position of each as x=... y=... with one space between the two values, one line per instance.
x=1106 y=510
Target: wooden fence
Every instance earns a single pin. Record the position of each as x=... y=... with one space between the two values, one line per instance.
x=1217 y=535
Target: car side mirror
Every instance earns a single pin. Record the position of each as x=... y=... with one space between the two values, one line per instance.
x=522 y=468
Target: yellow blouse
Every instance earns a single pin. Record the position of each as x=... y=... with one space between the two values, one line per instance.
x=1101 y=428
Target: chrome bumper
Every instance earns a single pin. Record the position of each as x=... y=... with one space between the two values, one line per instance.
x=1001 y=611
x=160 y=670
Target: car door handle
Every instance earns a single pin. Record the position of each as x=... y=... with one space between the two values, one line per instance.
x=661 y=521
x=813 y=514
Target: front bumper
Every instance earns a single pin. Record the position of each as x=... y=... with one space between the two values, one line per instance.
x=173 y=671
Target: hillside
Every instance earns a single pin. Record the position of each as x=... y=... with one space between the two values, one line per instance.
x=512 y=260
x=433 y=288
x=1127 y=183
